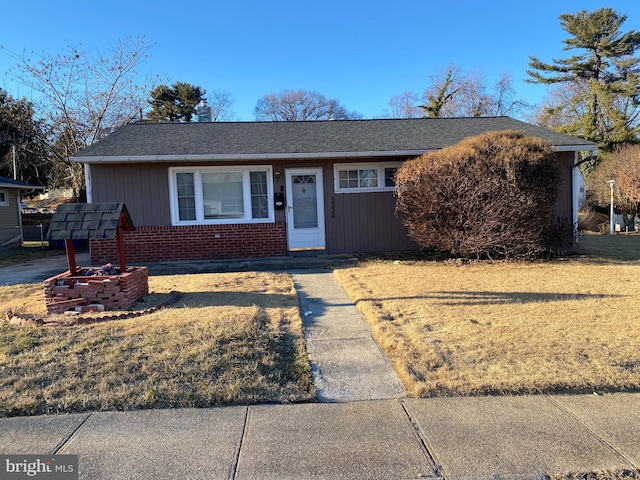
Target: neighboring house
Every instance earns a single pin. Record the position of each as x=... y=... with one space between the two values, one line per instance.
x=10 y=212
x=254 y=189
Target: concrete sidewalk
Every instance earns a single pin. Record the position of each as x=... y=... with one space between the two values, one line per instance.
x=454 y=438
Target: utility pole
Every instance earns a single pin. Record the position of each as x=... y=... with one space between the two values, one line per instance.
x=611 y=225
x=15 y=165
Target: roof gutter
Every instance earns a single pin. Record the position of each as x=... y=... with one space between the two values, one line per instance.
x=278 y=156
x=576 y=148
x=28 y=189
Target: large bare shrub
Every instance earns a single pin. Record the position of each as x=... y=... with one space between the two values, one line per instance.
x=488 y=196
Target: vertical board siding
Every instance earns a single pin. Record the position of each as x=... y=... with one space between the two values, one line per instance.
x=362 y=222
x=9 y=213
x=563 y=207
x=144 y=188
x=9 y=217
x=365 y=223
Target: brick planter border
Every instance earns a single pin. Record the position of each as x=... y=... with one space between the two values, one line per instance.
x=12 y=319
x=65 y=291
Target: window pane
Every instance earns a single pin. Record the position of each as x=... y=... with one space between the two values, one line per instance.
x=259 y=205
x=368 y=178
x=348 y=178
x=390 y=176
x=305 y=201
x=222 y=195
x=186 y=196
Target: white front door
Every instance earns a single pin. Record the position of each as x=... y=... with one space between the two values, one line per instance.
x=305 y=209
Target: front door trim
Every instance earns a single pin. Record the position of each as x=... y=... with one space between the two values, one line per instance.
x=306 y=238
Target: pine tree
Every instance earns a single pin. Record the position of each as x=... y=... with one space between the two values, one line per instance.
x=604 y=75
x=175 y=103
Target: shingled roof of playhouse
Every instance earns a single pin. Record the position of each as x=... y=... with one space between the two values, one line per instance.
x=83 y=221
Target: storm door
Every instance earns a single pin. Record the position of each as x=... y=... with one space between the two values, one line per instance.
x=305 y=209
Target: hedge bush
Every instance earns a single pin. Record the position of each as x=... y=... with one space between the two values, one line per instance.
x=489 y=196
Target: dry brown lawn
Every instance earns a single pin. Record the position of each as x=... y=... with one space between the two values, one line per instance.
x=570 y=325
x=231 y=339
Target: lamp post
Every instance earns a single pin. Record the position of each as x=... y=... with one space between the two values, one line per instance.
x=611 y=226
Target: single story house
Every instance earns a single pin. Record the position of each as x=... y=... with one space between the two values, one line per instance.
x=11 y=191
x=253 y=189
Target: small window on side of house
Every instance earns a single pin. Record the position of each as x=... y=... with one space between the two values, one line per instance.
x=348 y=179
x=365 y=177
x=4 y=197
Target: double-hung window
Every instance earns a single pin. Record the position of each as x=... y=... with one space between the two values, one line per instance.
x=216 y=195
x=4 y=197
x=365 y=177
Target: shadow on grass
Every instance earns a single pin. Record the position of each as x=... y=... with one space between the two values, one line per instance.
x=452 y=298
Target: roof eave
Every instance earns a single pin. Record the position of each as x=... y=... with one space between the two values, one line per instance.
x=587 y=147
x=247 y=156
x=21 y=187
x=282 y=156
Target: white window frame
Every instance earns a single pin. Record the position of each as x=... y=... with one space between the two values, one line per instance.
x=380 y=167
x=4 y=202
x=199 y=202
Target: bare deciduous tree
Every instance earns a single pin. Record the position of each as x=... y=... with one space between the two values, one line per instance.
x=453 y=92
x=297 y=105
x=441 y=96
x=403 y=106
x=623 y=166
x=220 y=103
x=84 y=95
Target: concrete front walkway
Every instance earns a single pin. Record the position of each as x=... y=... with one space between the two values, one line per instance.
x=346 y=361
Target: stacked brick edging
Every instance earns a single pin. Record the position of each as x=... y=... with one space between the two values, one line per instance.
x=195 y=242
x=113 y=292
x=12 y=319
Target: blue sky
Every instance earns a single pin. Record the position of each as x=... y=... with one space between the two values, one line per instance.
x=361 y=53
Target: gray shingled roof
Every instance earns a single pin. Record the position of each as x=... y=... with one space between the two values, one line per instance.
x=82 y=221
x=10 y=183
x=229 y=140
